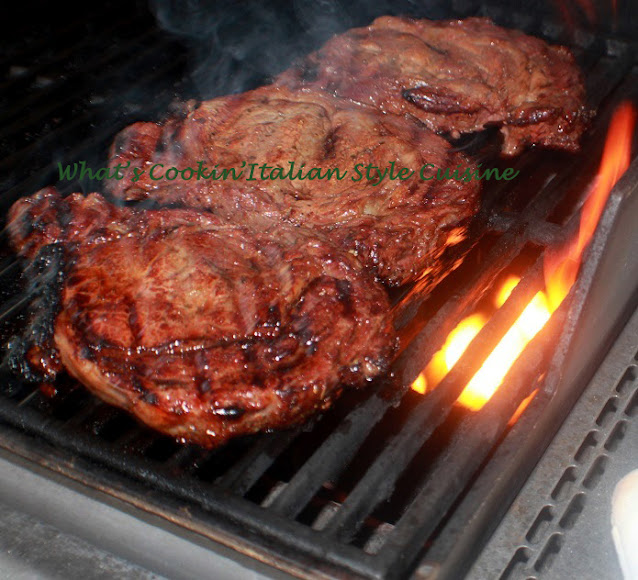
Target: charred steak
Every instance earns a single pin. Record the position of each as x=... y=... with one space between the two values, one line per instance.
x=397 y=228
x=456 y=76
x=201 y=329
x=250 y=308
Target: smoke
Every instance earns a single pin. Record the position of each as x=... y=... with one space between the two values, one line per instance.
x=238 y=45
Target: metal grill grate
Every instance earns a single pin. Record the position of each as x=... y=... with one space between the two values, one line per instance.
x=567 y=506
x=382 y=479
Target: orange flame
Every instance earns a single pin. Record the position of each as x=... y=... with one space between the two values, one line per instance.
x=492 y=372
x=521 y=408
x=561 y=270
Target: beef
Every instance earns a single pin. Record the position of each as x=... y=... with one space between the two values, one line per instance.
x=397 y=228
x=254 y=302
x=202 y=329
x=456 y=76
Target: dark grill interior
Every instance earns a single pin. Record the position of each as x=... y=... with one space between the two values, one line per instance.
x=377 y=483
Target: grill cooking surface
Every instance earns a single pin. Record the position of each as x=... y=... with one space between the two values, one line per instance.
x=376 y=483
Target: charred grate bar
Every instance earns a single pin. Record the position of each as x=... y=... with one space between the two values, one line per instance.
x=382 y=479
x=566 y=501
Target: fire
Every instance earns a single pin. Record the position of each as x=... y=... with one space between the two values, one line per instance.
x=491 y=374
x=456 y=343
x=561 y=269
x=420 y=385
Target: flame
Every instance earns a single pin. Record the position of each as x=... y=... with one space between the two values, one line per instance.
x=505 y=291
x=521 y=408
x=455 y=344
x=420 y=385
x=461 y=337
x=491 y=374
x=560 y=268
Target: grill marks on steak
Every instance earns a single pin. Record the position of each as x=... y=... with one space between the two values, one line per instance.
x=253 y=314
x=201 y=329
x=398 y=229
x=456 y=76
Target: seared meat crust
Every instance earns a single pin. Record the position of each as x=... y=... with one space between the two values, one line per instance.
x=398 y=228
x=457 y=76
x=201 y=329
x=253 y=314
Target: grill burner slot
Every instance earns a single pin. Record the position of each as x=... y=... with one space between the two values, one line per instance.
x=379 y=481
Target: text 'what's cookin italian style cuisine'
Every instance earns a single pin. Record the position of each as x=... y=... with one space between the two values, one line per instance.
x=238 y=305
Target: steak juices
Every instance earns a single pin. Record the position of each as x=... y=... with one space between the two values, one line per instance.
x=254 y=302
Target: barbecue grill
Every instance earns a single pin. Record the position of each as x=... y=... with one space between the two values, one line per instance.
x=389 y=483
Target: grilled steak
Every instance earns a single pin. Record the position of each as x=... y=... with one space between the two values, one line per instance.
x=203 y=330
x=249 y=307
x=397 y=228
x=456 y=76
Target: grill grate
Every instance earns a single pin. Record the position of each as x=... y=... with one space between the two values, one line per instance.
x=370 y=486
x=568 y=503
